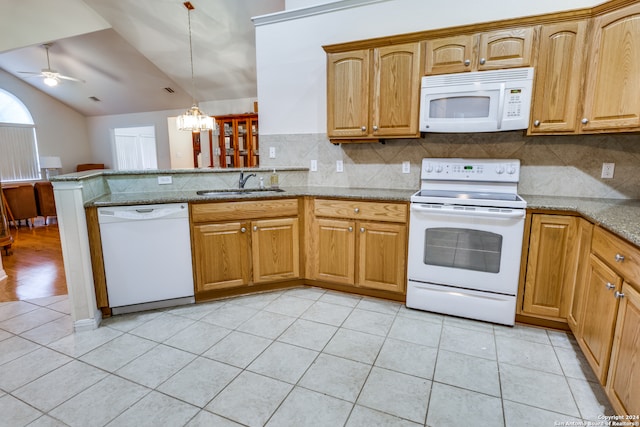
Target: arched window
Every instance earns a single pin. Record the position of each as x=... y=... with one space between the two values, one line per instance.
x=18 y=145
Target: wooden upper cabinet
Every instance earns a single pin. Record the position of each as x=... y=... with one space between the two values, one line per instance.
x=373 y=93
x=507 y=48
x=396 y=90
x=449 y=54
x=612 y=101
x=348 y=93
x=558 y=78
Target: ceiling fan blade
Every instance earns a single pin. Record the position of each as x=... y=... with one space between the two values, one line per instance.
x=34 y=73
x=71 y=78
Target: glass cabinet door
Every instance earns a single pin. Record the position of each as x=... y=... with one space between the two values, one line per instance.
x=238 y=140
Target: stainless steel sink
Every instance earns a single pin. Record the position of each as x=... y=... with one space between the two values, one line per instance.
x=238 y=192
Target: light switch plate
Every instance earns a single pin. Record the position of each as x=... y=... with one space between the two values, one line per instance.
x=272 y=152
x=165 y=180
x=314 y=166
x=339 y=166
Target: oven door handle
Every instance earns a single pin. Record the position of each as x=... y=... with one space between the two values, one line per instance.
x=497 y=213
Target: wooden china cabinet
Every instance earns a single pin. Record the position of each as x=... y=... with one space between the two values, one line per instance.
x=237 y=141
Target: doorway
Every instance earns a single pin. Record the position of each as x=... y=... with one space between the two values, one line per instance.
x=135 y=148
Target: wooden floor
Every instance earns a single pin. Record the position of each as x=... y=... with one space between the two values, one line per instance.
x=35 y=266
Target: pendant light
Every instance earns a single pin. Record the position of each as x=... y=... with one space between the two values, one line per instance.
x=193 y=119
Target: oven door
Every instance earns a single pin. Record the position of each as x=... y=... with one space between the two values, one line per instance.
x=467 y=247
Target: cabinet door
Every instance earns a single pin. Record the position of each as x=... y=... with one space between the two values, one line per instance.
x=449 y=54
x=381 y=256
x=549 y=265
x=221 y=253
x=623 y=385
x=396 y=90
x=275 y=248
x=506 y=48
x=348 y=94
x=613 y=78
x=585 y=232
x=559 y=74
x=335 y=251
x=599 y=316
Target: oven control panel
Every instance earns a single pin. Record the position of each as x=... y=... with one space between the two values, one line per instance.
x=498 y=170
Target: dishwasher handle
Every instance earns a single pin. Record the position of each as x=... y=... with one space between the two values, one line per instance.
x=142 y=212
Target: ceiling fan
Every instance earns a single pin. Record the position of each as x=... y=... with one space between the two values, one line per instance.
x=51 y=77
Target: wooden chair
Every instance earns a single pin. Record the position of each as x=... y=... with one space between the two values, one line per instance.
x=21 y=201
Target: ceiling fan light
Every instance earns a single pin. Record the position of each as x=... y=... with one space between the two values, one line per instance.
x=194 y=120
x=51 y=81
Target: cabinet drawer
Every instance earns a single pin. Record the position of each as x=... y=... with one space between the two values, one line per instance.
x=623 y=257
x=210 y=212
x=355 y=209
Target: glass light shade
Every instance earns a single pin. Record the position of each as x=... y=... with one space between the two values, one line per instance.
x=51 y=81
x=194 y=120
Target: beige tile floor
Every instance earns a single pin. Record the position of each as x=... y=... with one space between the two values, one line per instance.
x=300 y=357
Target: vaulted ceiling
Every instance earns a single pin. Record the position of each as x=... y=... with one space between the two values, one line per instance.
x=133 y=60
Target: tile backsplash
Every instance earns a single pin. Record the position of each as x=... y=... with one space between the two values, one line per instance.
x=551 y=165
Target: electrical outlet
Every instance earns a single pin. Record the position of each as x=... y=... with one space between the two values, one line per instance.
x=339 y=166
x=406 y=167
x=165 y=180
x=314 y=166
x=272 y=152
x=607 y=170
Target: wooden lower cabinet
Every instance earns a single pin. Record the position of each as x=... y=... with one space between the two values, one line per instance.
x=240 y=253
x=359 y=252
x=599 y=316
x=221 y=255
x=275 y=249
x=574 y=316
x=335 y=247
x=381 y=256
x=623 y=384
x=551 y=266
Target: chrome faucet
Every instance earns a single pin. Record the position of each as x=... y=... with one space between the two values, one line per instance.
x=243 y=179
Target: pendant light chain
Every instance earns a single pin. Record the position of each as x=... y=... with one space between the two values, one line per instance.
x=193 y=119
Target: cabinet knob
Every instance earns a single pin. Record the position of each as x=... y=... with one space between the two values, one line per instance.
x=350 y=229
x=584 y=121
x=482 y=61
x=619 y=258
x=356 y=210
x=362 y=230
x=467 y=62
x=375 y=128
x=255 y=228
x=536 y=123
x=363 y=128
x=610 y=286
x=619 y=294
x=243 y=230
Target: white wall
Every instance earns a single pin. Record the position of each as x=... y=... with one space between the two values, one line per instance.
x=291 y=64
x=61 y=131
x=101 y=128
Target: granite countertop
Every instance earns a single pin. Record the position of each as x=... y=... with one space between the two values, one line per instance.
x=620 y=216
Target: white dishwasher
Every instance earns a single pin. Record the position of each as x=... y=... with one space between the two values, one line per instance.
x=147 y=256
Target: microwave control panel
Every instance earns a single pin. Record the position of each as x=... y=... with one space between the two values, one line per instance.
x=513 y=103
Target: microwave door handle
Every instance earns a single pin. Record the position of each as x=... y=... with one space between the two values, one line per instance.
x=501 y=105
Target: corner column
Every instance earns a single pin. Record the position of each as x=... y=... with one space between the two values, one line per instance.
x=72 y=223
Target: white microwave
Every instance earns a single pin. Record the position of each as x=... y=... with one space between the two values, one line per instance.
x=482 y=101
